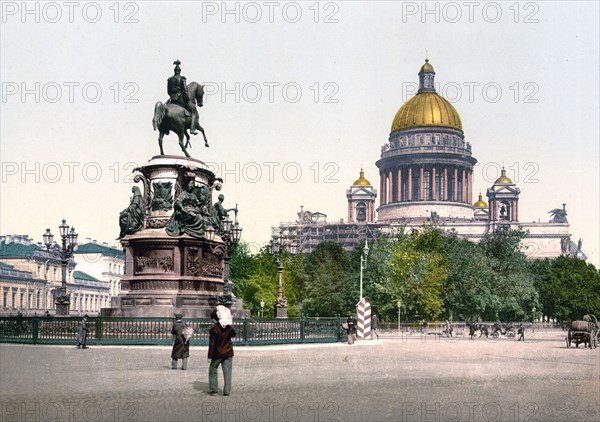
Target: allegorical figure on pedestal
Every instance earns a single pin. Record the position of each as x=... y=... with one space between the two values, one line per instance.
x=179 y=113
x=219 y=213
x=131 y=218
x=191 y=212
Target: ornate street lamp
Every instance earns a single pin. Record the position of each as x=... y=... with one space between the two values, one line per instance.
x=363 y=266
x=64 y=252
x=262 y=309
x=277 y=247
x=232 y=232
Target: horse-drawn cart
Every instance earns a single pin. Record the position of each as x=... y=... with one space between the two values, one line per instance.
x=587 y=332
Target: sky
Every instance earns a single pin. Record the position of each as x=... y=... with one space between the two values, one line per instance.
x=300 y=95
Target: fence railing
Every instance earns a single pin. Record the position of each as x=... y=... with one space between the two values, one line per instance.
x=157 y=331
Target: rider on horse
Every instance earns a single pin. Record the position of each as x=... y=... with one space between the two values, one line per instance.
x=176 y=88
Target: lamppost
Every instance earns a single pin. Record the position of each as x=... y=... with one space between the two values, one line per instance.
x=276 y=247
x=262 y=309
x=363 y=266
x=399 y=303
x=232 y=233
x=64 y=252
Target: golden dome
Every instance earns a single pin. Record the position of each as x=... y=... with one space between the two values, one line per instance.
x=427 y=67
x=426 y=109
x=361 y=181
x=480 y=203
x=503 y=179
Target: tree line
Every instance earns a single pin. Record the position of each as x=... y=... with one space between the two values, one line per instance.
x=434 y=275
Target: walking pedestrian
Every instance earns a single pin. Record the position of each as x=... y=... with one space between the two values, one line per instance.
x=181 y=347
x=351 y=330
x=220 y=350
x=374 y=325
x=521 y=332
x=82 y=333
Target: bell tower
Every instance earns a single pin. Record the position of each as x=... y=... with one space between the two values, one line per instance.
x=361 y=200
x=503 y=198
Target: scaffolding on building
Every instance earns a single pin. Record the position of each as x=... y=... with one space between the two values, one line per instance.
x=312 y=228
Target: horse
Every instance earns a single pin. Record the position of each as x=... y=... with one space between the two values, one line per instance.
x=173 y=117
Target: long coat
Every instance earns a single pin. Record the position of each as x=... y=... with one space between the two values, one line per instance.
x=219 y=343
x=82 y=332
x=181 y=348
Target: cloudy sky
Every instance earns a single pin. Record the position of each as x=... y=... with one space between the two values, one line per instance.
x=299 y=96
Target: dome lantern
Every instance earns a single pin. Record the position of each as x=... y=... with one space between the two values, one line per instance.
x=426 y=78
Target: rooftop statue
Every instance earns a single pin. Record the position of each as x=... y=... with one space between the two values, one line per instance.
x=179 y=113
x=559 y=215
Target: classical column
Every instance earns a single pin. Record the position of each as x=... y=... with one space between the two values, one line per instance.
x=433 y=185
x=410 y=183
x=390 y=187
x=464 y=189
x=421 y=187
x=382 y=188
x=455 y=198
x=470 y=186
x=445 y=183
x=399 y=187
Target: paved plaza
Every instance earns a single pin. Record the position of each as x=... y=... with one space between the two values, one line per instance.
x=416 y=378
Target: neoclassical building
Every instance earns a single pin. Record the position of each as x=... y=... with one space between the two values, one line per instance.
x=104 y=262
x=30 y=279
x=426 y=178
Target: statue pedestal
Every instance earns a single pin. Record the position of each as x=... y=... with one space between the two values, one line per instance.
x=167 y=274
x=281 y=311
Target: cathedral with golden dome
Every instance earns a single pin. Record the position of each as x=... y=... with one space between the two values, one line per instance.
x=426 y=178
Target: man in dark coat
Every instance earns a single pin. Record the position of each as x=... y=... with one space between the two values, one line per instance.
x=82 y=333
x=521 y=332
x=374 y=326
x=351 y=330
x=181 y=347
x=220 y=352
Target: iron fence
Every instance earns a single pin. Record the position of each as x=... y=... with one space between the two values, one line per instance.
x=157 y=331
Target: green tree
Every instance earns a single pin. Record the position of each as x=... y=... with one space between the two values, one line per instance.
x=329 y=287
x=573 y=289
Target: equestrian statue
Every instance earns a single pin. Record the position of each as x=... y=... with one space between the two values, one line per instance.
x=179 y=113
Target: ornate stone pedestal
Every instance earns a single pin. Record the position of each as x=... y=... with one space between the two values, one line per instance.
x=167 y=274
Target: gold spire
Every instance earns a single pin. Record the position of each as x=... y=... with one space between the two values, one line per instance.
x=480 y=202
x=361 y=181
x=503 y=179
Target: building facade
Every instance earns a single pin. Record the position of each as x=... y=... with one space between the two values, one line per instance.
x=103 y=262
x=31 y=277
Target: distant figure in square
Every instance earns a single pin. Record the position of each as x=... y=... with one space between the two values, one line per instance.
x=374 y=325
x=351 y=330
x=82 y=333
x=181 y=347
x=521 y=332
x=220 y=350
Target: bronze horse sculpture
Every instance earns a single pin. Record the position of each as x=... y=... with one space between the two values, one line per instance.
x=173 y=117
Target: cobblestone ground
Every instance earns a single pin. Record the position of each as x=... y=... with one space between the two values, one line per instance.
x=417 y=378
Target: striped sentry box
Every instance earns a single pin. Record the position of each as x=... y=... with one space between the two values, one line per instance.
x=363 y=312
